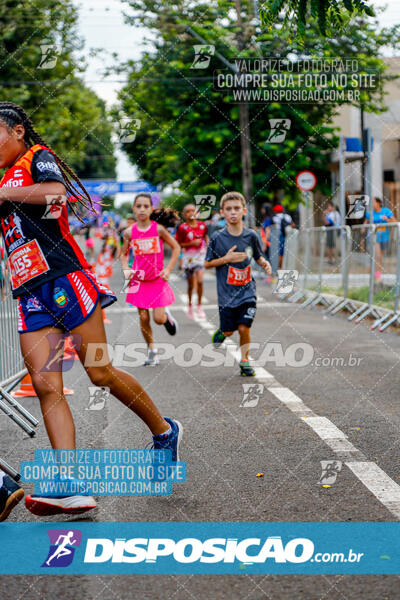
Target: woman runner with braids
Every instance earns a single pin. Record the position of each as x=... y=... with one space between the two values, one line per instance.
x=57 y=292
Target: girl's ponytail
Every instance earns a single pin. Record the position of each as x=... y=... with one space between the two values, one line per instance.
x=165 y=216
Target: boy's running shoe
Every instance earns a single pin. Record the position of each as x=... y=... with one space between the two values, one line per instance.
x=217 y=338
x=10 y=494
x=55 y=505
x=171 y=440
x=152 y=359
x=246 y=370
x=170 y=324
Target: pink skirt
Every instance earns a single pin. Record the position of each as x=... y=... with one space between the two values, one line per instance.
x=151 y=294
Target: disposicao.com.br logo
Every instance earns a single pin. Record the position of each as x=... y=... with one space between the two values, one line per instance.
x=188 y=550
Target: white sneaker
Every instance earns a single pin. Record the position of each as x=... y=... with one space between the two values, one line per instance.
x=152 y=359
x=70 y=505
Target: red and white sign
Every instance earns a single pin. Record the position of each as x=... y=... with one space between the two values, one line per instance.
x=306 y=181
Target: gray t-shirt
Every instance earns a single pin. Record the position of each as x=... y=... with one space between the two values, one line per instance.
x=235 y=283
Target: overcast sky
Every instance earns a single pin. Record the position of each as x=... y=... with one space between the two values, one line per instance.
x=102 y=26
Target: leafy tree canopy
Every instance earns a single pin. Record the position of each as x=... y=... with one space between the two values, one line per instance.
x=189 y=134
x=70 y=117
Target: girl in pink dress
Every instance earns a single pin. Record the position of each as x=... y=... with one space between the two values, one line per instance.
x=148 y=278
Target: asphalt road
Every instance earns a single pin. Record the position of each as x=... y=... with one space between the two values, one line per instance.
x=335 y=408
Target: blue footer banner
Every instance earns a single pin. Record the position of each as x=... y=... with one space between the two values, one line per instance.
x=210 y=548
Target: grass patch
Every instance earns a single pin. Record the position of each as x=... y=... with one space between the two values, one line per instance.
x=383 y=296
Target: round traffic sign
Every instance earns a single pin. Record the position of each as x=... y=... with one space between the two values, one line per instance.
x=306 y=181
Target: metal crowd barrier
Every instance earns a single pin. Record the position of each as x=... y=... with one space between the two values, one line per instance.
x=309 y=257
x=365 y=256
x=390 y=274
x=362 y=259
x=375 y=262
x=11 y=366
x=291 y=248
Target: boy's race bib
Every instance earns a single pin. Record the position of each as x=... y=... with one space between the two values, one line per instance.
x=239 y=276
x=27 y=262
x=150 y=245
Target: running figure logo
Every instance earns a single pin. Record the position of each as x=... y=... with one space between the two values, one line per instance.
x=97 y=397
x=202 y=56
x=286 y=280
x=63 y=543
x=49 y=56
x=55 y=204
x=357 y=206
x=279 y=129
x=132 y=279
x=56 y=363
x=128 y=129
x=330 y=470
x=204 y=204
x=252 y=392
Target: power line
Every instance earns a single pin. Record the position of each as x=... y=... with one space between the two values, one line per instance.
x=126 y=81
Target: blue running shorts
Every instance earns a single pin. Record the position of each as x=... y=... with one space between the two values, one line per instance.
x=65 y=302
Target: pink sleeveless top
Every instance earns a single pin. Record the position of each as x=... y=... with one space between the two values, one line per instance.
x=148 y=250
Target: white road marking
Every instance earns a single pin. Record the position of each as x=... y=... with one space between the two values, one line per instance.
x=126 y=309
x=293 y=402
x=378 y=483
x=324 y=428
x=184 y=299
x=262 y=373
x=373 y=477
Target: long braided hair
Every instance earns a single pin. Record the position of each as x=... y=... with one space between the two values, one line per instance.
x=11 y=114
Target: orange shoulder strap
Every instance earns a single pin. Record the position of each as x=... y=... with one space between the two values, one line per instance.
x=26 y=160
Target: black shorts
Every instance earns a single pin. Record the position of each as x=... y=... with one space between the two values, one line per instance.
x=231 y=317
x=330 y=238
x=190 y=271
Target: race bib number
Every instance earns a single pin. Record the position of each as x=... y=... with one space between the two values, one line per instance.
x=149 y=245
x=26 y=263
x=381 y=228
x=239 y=276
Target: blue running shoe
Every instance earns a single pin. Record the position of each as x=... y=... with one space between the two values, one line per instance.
x=246 y=370
x=169 y=441
x=217 y=338
x=10 y=494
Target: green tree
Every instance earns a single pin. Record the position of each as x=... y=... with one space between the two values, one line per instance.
x=190 y=133
x=330 y=15
x=40 y=69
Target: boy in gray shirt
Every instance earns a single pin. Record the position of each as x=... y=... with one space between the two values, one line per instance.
x=230 y=251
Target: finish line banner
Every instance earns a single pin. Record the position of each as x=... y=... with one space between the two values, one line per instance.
x=208 y=548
